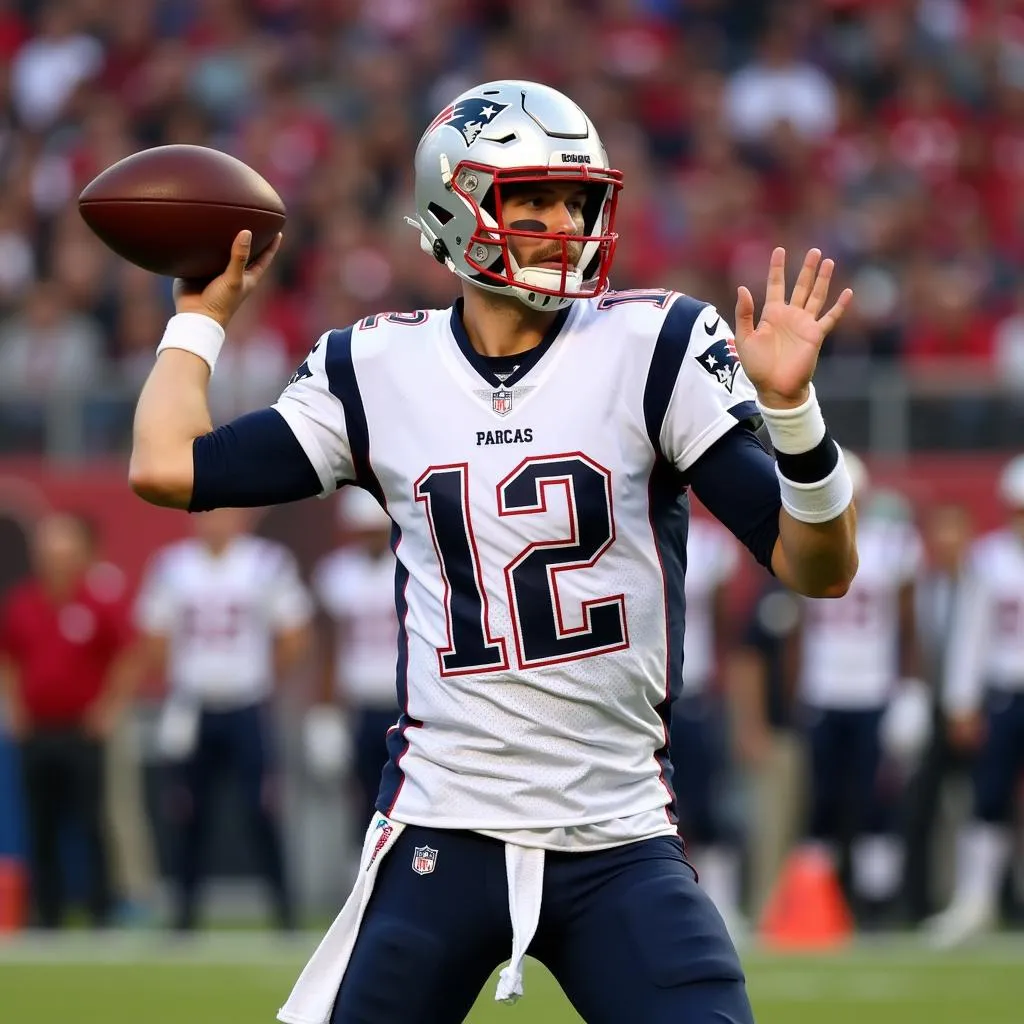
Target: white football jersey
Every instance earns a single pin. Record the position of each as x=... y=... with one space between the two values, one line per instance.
x=850 y=645
x=358 y=592
x=540 y=541
x=712 y=558
x=986 y=645
x=220 y=614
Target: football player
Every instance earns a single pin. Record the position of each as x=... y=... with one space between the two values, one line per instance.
x=857 y=654
x=984 y=702
x=224 y=615
x=533 y=446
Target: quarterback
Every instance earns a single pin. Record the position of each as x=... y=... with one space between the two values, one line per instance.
x=534 y=446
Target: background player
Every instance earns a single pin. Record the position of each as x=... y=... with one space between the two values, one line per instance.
x=984 y=702
x=855 y=653
x=700 y=748
x=531 y=446
x=355 y=585
x=759 y=672
x=947 y=533
x=225 y=616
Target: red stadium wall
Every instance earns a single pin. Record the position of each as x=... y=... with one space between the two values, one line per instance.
x=130 y=529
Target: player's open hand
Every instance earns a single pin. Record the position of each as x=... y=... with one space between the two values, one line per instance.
x=779 y=354
x=221 y=297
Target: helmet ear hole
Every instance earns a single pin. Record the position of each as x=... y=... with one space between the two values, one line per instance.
x=441 y=215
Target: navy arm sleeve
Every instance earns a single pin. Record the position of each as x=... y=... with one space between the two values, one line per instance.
x=735 y=480
x=254 y=460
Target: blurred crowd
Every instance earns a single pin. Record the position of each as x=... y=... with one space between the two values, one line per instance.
x=889 y=134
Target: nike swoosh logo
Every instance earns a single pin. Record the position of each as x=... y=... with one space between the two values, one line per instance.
x=713 y=329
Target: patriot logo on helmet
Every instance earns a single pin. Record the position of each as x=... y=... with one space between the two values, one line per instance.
x=470 y=116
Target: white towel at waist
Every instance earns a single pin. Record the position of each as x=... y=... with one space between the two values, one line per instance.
x=313 y=997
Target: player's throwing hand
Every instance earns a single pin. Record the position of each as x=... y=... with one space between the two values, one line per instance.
x=221 y=297
x=779 y=354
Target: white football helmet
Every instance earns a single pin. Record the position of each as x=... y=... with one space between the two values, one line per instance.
x=503 y=133
x=1011 y=483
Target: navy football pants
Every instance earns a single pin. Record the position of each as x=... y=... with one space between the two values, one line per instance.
x=626 y=932
x=238 y=740
x=846 y=758
x=1001 y=757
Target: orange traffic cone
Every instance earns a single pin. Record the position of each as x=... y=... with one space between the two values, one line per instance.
x=13 y=895
x=806 y=910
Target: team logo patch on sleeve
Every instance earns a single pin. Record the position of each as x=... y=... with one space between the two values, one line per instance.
x=424 y=858
x=470 y=117
x=721 y=361
x=303 y=372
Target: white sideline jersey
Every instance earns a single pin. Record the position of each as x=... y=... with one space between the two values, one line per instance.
x=712 y=559
x=539 y=538
x=220 y=614
x=850 y=645
x=358 y=592
x=986 y=645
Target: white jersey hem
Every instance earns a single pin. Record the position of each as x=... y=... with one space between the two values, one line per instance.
x=519 y=838
x=506 y=828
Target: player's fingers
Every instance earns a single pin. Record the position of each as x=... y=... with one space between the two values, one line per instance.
x=835 y=314
x=239 y=258
x=819 y=293
x=802 y=288
x=776 y=290
x=256 y=269
x=744 y=313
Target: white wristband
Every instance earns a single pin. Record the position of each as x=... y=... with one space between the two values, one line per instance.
x=795 y=431
x=196 y=333
x=820 y=501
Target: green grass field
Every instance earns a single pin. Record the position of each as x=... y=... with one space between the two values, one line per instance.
x=242 y=979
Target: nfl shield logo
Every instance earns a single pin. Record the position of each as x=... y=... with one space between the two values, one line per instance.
x=501 y=402
x=423 y=860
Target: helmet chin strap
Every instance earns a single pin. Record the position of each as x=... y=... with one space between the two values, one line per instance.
x=528 y=279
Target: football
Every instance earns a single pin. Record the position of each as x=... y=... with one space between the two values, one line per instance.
x=175 y=210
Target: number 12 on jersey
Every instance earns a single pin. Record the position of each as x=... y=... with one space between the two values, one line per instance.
x=531 y=578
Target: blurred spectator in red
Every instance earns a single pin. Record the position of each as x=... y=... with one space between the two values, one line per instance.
x=67 y=665
x=950 y=330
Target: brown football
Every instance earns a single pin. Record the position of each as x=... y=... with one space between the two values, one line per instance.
x=175 y=210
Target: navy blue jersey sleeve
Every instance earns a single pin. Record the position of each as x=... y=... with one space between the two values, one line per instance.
x=254 y=460
x=735 y=479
